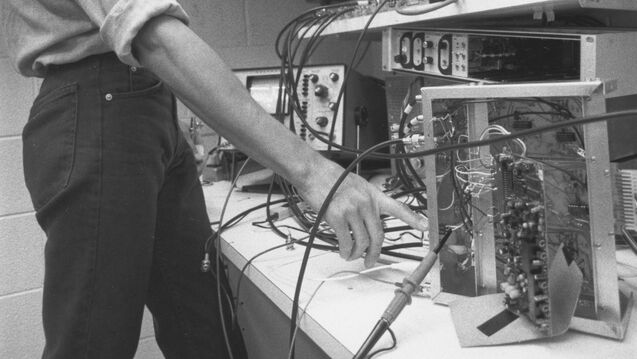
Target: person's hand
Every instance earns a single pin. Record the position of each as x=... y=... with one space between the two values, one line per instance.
x=201 y=158
x=354 y=212
x=196 y=145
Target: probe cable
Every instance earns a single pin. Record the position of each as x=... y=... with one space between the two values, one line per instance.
x=313 y=232
x=402 y=297
x=205 y=263
x=307 y=305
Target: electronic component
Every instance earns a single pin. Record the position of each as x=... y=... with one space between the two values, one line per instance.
x=360 y=119
x=480 y=55
x=517 y=204
x=627 y=192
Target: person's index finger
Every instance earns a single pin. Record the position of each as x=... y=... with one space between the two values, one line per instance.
x=402 y=212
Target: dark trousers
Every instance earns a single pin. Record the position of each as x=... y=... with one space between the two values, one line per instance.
x=115 y=188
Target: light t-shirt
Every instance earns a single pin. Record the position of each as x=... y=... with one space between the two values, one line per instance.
x=44 y=32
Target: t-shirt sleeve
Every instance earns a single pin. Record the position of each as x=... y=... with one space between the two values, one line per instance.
x=121 y=20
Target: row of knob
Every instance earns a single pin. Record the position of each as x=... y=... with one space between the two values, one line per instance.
x=319 y=90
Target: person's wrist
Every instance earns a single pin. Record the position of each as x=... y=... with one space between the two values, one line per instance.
x=318 y=173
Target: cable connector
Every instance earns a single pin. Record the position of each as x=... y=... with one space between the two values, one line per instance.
x=414 y=140
x=290 y=242
x=408 y=109
x=416 y=120
x=205 y=263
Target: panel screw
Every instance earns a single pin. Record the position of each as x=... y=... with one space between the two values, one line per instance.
x=108 y=97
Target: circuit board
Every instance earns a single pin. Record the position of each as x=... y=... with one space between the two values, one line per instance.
x=530 y=194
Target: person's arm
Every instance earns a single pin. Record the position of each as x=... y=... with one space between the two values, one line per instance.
x=200 y=78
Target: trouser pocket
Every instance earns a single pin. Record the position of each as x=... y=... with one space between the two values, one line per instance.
x=49 y=140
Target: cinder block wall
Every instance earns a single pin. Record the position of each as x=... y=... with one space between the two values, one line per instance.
x=21 y=240
x=242 y=31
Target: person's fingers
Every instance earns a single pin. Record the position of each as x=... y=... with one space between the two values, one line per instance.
x=376 y=234
x=401 y=211
x=200 y=161
x=345 y=242
x=361 y=238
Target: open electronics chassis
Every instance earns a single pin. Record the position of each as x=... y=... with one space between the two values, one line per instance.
x=607 y=79
x=612 y=307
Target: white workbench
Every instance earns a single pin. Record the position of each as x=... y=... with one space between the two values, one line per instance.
x=342 y=313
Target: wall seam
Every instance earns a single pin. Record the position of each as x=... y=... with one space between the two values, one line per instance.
x=246 y=19
x=16 y=215
x=22 y=292
x=10 y=137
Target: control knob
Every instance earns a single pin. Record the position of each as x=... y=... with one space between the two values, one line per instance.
x=321 y=121
x=320 y=91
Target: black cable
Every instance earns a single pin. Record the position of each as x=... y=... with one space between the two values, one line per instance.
x=553 y=126
x=233 y=221
x=394 y=343
x=403 y=246
x=516 y=113
x=466 y=219
x=312 y=11
x=237 y=290
x=407 y=192
x=630 y=239
x=292 y=93
x=349 y=68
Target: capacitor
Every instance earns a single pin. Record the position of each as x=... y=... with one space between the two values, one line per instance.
x=537 y=209
x=543 y=285
x=540 y=298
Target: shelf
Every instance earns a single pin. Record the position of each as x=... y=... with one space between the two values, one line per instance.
x=477 y=9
